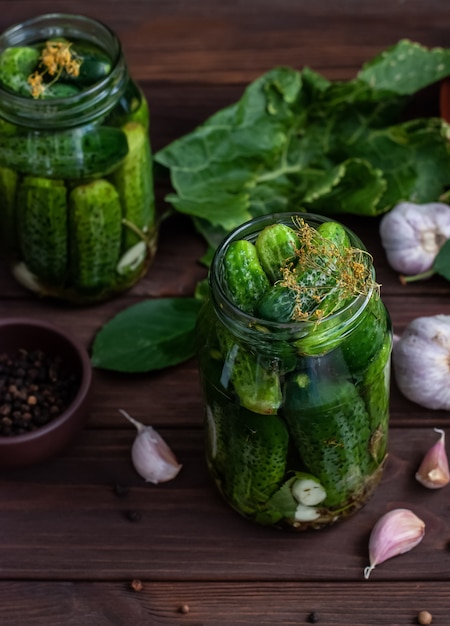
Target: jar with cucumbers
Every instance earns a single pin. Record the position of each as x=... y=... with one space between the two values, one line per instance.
x=77 y=207
x=294 y=347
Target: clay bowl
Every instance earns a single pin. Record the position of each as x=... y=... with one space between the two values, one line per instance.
x=52 y=438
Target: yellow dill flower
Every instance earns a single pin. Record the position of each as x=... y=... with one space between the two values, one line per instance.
x=56 y=56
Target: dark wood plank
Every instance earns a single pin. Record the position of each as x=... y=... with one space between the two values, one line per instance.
x=221 y=604
x=62 y=521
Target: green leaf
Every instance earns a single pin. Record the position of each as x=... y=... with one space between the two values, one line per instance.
x=151 y=335
x=406 y=67
x=441 y=263
x=296 y=141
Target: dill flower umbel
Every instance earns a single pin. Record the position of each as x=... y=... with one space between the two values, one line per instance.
x=55 y=58
x=323 y=269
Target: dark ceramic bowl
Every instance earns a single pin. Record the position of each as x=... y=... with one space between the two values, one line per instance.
x=50 y=439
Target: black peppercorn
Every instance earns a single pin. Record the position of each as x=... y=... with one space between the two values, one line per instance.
x=34 y=388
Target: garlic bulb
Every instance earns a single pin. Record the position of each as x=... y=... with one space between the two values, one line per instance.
x=412 y=235
x=421 y=360
x=152 y=458
x=434 y=472
x=395 y=533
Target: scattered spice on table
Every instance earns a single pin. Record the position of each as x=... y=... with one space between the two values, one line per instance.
x=424 y=617
x=35 y=388
x=136 y=585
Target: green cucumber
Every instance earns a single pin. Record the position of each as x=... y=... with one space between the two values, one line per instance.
x=246 y=280
x=132 y=107
x=95 y=227
x=255 y=380
x=8 y=188
x=318 y=279
x=366 y=339
x=277 y=304
x=59 y=90
x=42 y=227
x=256 y=451
x=72 y=154
x=16 y=65
x=276 y=246
x=133 y=180
x=330 y=427
x=95 y=64
x=374 y=390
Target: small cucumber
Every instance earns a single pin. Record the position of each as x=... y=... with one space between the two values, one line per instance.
x=133 y=180
x=42 y=227
x=256 y=448
x=95 y=228
x=277 y=304
x=321 y=275
x=245 y=278
x=374 y=389
x=132 y=107
x=257 y=385
x=72 y=154
x=8 y=188
x=362 y=344
x=276 y=246
x=95 y=64
x=59 y=90
x=330 y=427
x=16 y=65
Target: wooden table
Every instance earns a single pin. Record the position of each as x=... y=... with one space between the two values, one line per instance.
x=68 y=549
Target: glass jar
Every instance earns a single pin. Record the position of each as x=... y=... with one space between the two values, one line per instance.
x=296 y=413
x=77 y=201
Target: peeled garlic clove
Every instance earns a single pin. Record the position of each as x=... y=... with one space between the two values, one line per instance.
x=152 y=458
x=433 y=471
x=395 y=533
x=308 y=491
x=412 y=235
x=421 y=361
x=305 y=513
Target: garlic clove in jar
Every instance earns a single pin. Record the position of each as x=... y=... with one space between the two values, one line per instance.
x=151 y=456
x=412 y=235
x=421 y=361
x=434 y=472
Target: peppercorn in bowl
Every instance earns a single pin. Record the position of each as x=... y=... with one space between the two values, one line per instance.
x=45 y=390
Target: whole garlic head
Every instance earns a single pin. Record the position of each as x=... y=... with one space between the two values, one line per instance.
x=421 y=360
x=412 y=235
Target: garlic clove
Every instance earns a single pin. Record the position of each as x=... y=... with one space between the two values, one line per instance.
x=395 y=533
x=151 y=456
x=307 y=490
x=305 y=513
x=434 y=472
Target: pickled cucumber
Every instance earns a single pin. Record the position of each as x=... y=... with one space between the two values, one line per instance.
x=95 y=217
x=8 y=188
x=245 y=278
x=330 y=427
x=42 y=227
x=133 y=180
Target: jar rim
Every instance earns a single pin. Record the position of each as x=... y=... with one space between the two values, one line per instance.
x=343 y=316
x=93 y=102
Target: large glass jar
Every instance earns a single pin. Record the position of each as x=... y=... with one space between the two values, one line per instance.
x=76 y=184
x=296 y=413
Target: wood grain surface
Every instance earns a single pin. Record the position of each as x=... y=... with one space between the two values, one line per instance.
x=68 y=550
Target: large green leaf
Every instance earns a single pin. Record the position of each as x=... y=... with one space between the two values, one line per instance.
x=151 y=335
x=298 y=141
